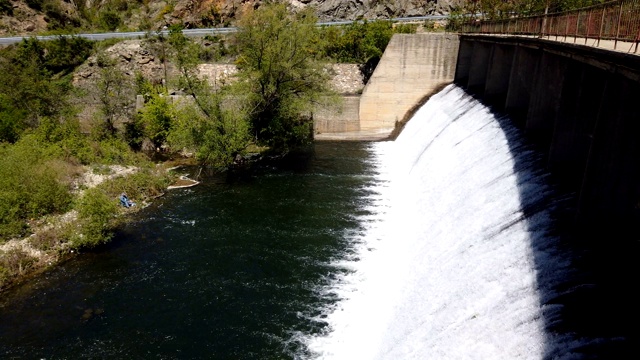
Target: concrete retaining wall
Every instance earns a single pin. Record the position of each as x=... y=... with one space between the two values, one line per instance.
x=412 y=66
x=345 y=119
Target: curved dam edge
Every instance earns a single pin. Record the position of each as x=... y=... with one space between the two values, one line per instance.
x=413 y=67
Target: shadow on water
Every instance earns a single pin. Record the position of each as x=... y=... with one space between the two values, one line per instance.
x=586 y=272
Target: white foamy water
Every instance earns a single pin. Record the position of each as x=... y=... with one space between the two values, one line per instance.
x=445 y=269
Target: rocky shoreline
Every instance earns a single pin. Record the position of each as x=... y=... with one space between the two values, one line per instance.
x=41 y=249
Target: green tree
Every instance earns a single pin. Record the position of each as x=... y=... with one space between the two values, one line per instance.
x=109 y=19
x=28 y=89
x=358 y=42
x=157 y=118
x=216 y=137
x=211 y=122
x=11 y=120
x=30 y=185
x=280 y=63
x=65 y=53
x=115 y=96
x=157 y=44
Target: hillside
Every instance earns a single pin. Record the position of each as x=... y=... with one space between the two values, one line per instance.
x=31 y=17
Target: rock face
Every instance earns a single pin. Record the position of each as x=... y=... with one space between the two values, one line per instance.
x=375 y=9
x=18 y=18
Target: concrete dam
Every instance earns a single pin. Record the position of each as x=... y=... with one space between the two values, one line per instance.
x=576 y=103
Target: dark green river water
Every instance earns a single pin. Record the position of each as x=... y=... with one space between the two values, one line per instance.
x=221 y=270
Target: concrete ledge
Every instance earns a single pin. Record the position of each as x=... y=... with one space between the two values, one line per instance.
x=362 y=135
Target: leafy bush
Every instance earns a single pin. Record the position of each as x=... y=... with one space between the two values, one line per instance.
x=167 y=9
x=357 y=42
x=215 y=139
x=31 y=85
x=116 y=151
x=66 y=53
x=109 y=19
x=142 y=185
x=157 y=118
x=30 y=186
x=96 y=213
x=134 y=133
x=58 y=17
x=12 y=122
x=402 y=28
x=65 y=141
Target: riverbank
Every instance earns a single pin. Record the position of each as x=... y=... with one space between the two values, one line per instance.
x=50 y=238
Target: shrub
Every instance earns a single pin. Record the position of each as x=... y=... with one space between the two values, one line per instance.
x=30 y=186
x=11 y=220
x=143 y=184
x=116 y=151
x=96 y=214
x=58 y=18
x=357 y=42
x=66 y=53
x=48 y=239
x=14 y=262
x=109 y=19
x=401 y=28
x=167 y=9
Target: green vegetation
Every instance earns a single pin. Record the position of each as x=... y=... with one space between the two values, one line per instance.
x=280 y=65
x=361 y=42
x=211 y=123
x=6 y=7
x=34 y=83
x=42 y=151
x=96 y=212
x=114 y=93
x=357 y=42
x=283 y=76
x=29 y=186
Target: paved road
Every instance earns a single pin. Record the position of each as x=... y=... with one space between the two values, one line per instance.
x=191 y=32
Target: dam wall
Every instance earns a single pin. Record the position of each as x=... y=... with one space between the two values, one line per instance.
x=412 y=67
x=576 y=103
x=342 y=119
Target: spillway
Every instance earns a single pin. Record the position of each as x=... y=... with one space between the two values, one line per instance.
x=450 y=264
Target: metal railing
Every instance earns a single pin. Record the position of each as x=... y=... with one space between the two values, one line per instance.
x=617 y=21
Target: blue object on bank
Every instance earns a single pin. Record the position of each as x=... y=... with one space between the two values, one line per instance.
x=124 y=200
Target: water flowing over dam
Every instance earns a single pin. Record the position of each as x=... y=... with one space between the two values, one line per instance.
x=463 y=261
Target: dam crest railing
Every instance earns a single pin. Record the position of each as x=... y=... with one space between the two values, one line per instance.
x=617 y=23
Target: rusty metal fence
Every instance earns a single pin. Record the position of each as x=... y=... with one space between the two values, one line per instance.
x=617 y=21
